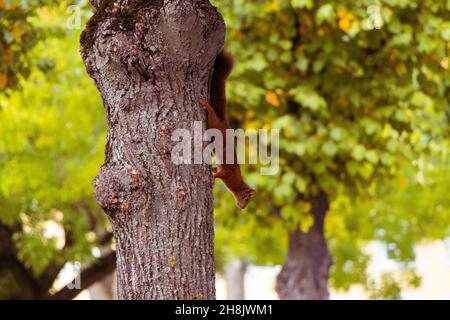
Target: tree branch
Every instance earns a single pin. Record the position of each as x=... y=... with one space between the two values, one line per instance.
x=10 y=261
x=48 y=277
x=105 y=238
x=104 y=266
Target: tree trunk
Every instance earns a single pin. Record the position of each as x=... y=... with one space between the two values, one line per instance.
x=235 y=279
x=151 y=60
x=305 y=273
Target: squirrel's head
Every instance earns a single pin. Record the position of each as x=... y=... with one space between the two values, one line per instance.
x=243 y=196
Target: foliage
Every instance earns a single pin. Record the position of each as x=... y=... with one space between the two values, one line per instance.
x=20 y=32
x=401 y=214
x=51 y=140
x=359 y=91
x=255 y=238
x=17 y=38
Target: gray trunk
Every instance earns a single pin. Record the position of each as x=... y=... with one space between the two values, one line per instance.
x=305 y=273
x=151 y=60
x=235 y=279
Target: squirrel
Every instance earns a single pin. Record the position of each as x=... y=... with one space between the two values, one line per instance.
x=230 y=174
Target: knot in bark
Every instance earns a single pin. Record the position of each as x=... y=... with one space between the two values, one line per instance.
x=114 y=188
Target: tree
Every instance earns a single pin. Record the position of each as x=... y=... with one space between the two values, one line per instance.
x=398 y=215
x=51 y=135
x=15 y=33
x=19 y=34
x=350 y=85
x=235 y=279
x=384 y=79
x=403 y=213
x=151 y=60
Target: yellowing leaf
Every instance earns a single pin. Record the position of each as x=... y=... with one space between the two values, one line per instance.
x=345 y=24
x=16 y=32
x=307 y=207
x=272 y=6
x=344 y=14
x=272 y=98
x=403 y=183
x=306 y=223
x=444 y=63
x=345 y=19
x=401 y=69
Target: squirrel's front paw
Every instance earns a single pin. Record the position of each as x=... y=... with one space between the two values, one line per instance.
x=203 y=102
x=218 y=173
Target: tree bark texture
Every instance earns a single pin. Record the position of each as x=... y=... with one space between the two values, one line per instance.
x=235 y=279
x=151 y=60
x=304 y=275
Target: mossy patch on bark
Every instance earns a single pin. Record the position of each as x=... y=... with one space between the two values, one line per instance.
x=124 y=18
x=86 y=38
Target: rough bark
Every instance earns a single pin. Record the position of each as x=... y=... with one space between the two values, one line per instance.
x=304 y=275
x=235 y=279
x=151 y=60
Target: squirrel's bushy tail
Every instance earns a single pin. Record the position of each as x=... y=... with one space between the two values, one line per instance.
x=222 y=69
x=224 y=63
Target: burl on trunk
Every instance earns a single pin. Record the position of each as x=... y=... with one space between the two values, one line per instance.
x=151 y=60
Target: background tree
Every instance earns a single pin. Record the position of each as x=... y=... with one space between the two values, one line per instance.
x=19 y=33
x=349 y=84
x=398 y=215
x=51 y=135
x=17 y=38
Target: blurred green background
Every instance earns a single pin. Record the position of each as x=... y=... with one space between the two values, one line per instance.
x=359 y=90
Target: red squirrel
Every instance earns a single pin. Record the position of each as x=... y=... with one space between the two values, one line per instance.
x=229 y=173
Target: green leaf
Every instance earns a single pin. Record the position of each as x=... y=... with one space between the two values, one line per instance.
x=359 y=152
x=336 y=134
x=372 y=156
x=308 y=98
x=301 y=184
x=302 y=3
x=329 y=148
x=325 y=14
